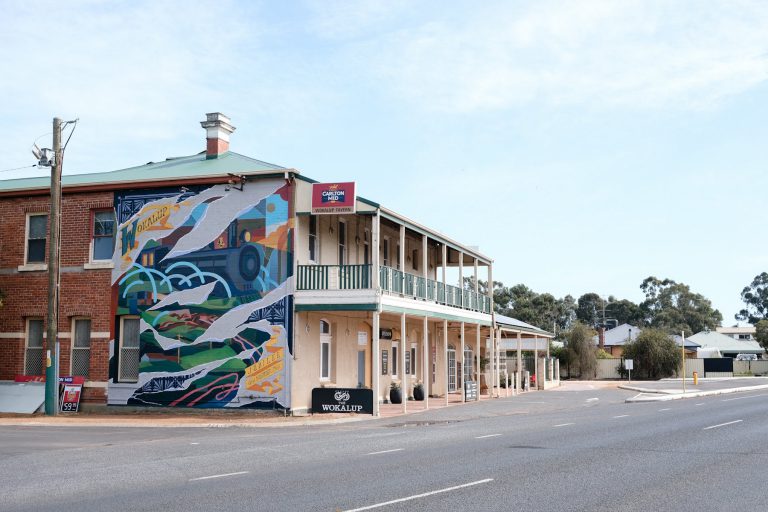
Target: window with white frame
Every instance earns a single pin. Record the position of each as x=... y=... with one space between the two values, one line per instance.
x=81 y=346
x=103 y=235
x=128 y=364
x=395 y=349
x=313 y=238
x=36 y=237
x=342 y=242
x=385 y=249
x=33 y=353
x=325 y=350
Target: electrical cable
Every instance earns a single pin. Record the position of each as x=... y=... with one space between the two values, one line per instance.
x=18 y=168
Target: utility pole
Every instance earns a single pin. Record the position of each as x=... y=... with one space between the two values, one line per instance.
x=54 y=220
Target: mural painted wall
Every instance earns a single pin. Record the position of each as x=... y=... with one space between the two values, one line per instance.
x=205 y=276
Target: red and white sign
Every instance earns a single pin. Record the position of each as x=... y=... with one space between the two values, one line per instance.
x=333 y=198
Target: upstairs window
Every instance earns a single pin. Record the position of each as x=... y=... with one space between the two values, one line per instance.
x=385 y=249
x=342 y=242
x=36 y=237
x=103 y=233
x=366 y=247
x=313 y=238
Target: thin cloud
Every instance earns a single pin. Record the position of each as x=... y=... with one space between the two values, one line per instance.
x=609 y=54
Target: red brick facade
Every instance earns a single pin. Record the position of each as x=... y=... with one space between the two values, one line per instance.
x=84 y=292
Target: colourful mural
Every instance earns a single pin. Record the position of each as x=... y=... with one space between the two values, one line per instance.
x=208 y=275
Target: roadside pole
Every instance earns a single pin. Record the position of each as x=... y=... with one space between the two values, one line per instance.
x=682 y=345
x=54 y=221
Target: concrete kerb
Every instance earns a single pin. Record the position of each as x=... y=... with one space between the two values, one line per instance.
x=647 y=395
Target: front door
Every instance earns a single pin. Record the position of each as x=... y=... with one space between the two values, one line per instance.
x=451 y=370
x=361 y=368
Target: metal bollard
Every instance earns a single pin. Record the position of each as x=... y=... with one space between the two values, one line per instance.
x=695 y=378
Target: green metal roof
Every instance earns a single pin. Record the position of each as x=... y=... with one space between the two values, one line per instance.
x=194 y=166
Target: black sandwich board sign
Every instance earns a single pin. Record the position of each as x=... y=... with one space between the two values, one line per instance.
x=353 y=400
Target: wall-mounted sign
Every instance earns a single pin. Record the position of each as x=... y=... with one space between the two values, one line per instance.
x=327 y=400
x=362 y=338
x=385 y=334
x=333 y=198
x=384 y=361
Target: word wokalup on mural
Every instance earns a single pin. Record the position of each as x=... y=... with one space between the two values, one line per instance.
x=203 y=285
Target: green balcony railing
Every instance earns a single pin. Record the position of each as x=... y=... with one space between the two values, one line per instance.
x=358 y=277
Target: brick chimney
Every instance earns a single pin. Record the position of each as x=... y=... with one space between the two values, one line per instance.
x=601 y=337
x=217 y=130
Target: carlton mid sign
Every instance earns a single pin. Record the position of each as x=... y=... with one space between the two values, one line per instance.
x=333 y=198
x=325 y=400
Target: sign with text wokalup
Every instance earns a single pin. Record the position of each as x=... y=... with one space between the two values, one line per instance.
x=355 y=400
x=333 y=198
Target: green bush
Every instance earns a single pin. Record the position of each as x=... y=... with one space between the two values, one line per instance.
x=654 y=353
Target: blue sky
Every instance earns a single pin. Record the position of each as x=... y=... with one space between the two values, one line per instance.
x=583 y=145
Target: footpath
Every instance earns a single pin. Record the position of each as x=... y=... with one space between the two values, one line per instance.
x=674 y=389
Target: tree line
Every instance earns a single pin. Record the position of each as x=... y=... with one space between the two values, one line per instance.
x=669 y=306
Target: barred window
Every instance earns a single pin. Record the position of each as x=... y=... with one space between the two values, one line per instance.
x=128 y=367
x=81 y=347
x=33 y=357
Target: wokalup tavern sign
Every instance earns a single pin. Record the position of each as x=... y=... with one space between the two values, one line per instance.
x=327 y=400
x=333 y=198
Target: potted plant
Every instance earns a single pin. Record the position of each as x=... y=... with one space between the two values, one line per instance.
x=395 y=393
x=418 y=391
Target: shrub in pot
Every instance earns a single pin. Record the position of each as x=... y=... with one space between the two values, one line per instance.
x=395 y=393
x=418 y=391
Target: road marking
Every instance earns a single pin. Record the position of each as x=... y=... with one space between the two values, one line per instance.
x=743 y=397
x=592 y=399
x=667 y=409
x=218 y=476
x=723 y=424
x=488 y=435
x=385 y=451
x=621 y=416
x=194 y=443
x=702 y=403
x=563 y=424
x=423 y=495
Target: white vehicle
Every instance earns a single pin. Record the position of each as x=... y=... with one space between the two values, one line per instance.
x=746 y=357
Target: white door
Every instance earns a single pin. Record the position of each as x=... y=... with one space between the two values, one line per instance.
x=451 y=370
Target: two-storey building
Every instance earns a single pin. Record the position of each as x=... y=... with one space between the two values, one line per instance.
x=218 y=280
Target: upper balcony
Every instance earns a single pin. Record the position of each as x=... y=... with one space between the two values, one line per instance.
x=391 y=281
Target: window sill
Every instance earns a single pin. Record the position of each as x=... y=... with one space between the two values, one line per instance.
x=95 y=265
x=32 y=267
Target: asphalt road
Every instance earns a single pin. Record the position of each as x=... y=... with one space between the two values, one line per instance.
x=549 y=451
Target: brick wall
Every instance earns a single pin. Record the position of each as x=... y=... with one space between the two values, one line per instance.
x=84 y=293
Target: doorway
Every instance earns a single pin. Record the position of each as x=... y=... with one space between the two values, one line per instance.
x=451 y=369
x=361 y=368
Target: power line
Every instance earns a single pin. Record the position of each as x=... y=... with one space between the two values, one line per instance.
x=19 y=168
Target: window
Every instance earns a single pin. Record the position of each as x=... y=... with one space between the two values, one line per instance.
x=103 y=232
x=325 y=350
x=385 y=248
x=415 y=259
x=413 y=360
x=128 y=366
x=366 y=247
x=399 y=267
x=312 y=238
x=33 y=357
x=36 y=237
x=395 y=346
x=81 y=346
x=342 y=242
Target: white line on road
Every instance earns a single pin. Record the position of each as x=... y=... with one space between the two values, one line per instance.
x=723 y=424
x=385 y=451
x=667 y=409
x=621 y=416
x=702 y=403
x=563 y=424
x=743 y=397
x=423 y=495
x=218 y=476
x=194 y=443
x=487 y=435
